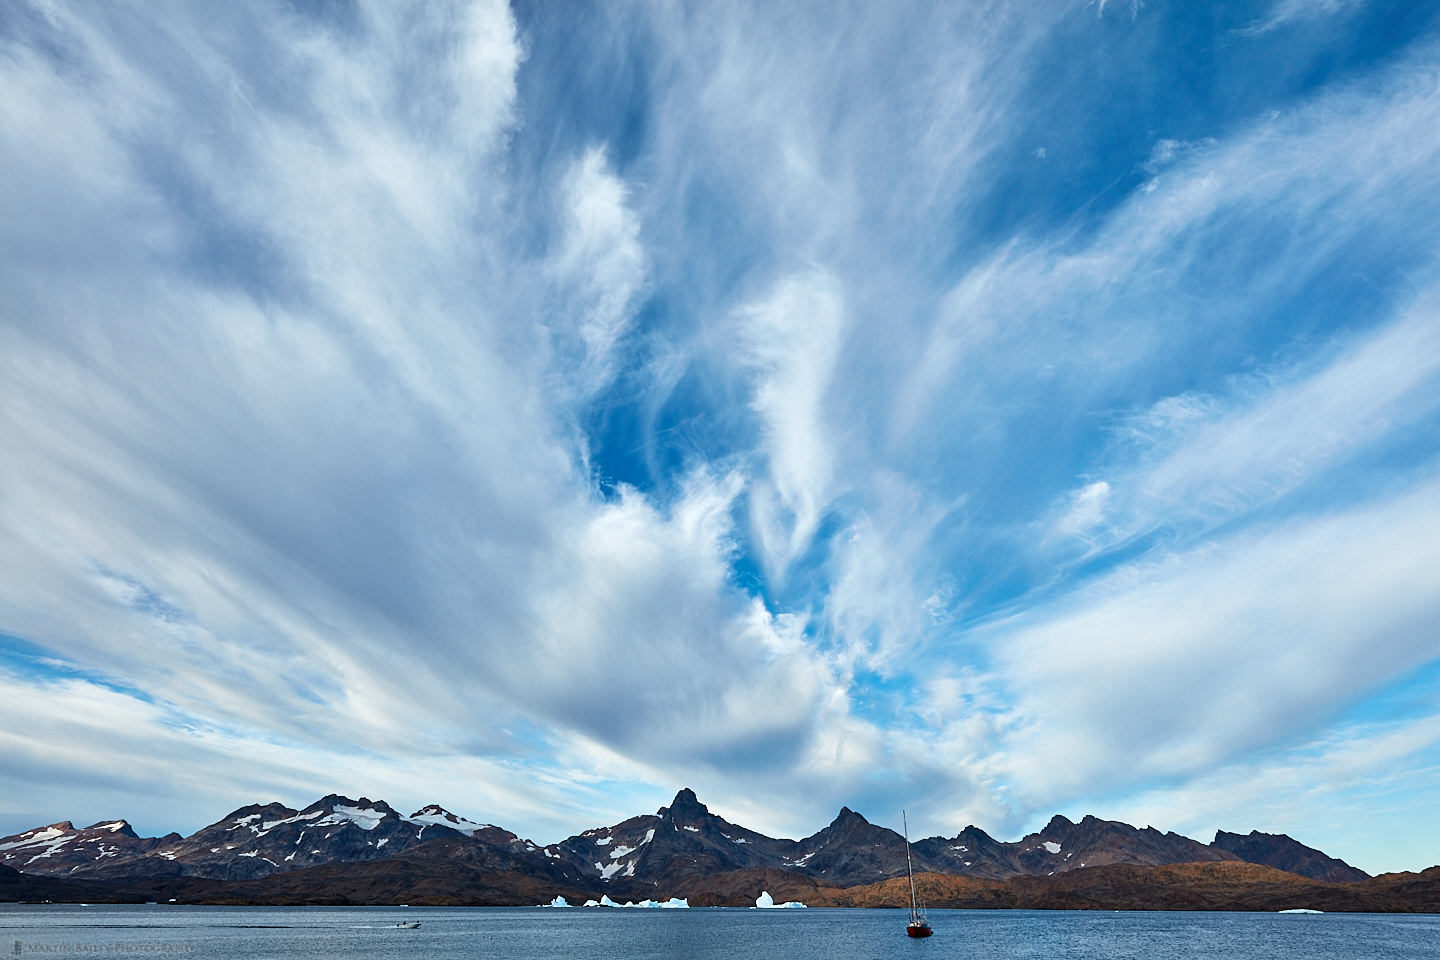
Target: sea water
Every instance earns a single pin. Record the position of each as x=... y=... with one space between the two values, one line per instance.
x=251 y=933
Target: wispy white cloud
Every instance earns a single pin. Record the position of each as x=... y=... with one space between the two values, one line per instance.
x=601 y=261
x=1171 y=667
x=793 y=338
x=1289 y=12
x=306 y=336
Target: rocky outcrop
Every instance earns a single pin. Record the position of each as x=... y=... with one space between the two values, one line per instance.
x=1283 y=853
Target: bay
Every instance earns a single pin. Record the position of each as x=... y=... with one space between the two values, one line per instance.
x=254 y=933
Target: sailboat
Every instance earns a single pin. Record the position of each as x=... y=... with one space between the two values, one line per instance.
x=919 y=925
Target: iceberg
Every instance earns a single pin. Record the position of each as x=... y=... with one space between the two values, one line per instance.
x=767 y=902
x=674 y=903
x=559 y=901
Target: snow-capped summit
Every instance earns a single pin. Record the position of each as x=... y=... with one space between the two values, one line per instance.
x=62 y=848
x=437 y=816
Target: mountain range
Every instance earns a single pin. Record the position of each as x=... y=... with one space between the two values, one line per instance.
x=343 y=850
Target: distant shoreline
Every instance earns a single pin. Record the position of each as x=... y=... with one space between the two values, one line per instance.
x=1226 y=886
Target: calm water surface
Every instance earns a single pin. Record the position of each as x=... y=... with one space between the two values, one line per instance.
x=249 y=933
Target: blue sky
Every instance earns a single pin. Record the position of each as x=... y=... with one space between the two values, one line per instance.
x=996 y=408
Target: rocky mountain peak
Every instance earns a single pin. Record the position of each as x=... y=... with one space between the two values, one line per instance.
x=1283 y=852
x=685 y=806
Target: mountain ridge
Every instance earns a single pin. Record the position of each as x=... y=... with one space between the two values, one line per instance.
x=683 y=845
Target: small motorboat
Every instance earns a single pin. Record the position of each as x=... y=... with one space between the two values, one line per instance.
x=408 y=924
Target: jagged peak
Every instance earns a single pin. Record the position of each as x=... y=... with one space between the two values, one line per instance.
x=847 y=815
x=1059 y=822
x=684 y=804
x=121 y=827
x=333 y=800
x=273 y=807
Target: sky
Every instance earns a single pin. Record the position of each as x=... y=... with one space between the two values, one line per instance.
x=995 y=409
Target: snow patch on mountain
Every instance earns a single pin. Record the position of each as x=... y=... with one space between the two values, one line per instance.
x=37 y=837
x=269 y=825
x=435 y=816
x=363 y=817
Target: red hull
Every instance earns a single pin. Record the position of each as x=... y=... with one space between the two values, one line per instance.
x=919 y=931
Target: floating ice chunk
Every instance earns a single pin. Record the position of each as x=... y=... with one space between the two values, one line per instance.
x=559 y=901
x=1300 y=910
x=674 y=903
x=767 y=902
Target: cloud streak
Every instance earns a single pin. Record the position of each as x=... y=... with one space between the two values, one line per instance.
x=708 y=395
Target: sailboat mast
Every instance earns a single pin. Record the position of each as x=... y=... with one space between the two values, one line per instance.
x=909 y=870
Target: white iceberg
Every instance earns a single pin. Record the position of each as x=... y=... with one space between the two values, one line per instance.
x=767 y=902
x=674 y=903
x=559 y=901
